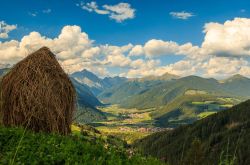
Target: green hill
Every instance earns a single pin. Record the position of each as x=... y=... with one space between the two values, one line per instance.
x=190 y=107
x=164 y=77
x=171 y=101
x=237 y=85
x=121 y=94
x=148 y=94
x=156 y=93
x=17 y=147
x=223 y=137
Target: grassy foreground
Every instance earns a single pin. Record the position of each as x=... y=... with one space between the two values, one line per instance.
x=17 y=147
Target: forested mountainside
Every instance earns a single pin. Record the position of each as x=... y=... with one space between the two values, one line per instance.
x=86 y=104
x=84 y=95
x=222 y=137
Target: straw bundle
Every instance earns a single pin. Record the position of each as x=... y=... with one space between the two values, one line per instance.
x=37 y=94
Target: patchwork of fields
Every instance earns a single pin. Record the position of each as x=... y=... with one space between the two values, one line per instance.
x=127 y=124
x=132 y=124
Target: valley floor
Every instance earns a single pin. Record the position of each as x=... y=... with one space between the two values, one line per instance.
x=131 y=124
x=127 y=124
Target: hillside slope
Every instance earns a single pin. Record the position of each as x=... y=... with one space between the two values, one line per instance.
x=237 y=85
x=224 y=136
x=164 y=77
x=114 y=81
x=121 y=94
x=84 y=95
x=176 y=101
x=188 y=108
x=86 y=104
x=17 y=147
x=148 y=94
x=158 y=93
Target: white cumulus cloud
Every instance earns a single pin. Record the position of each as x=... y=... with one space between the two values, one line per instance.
x=229 y=39
x=182 y=15
x=223 y=52
x=119 y=12
x=5 y=29
x=155 y=48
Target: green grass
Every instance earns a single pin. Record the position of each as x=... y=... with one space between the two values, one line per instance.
x=229 y=99
x=205 y=114
x=227 y=105
x=189 y=108
x=195 y=92
x=44 y=148
x=198 y=103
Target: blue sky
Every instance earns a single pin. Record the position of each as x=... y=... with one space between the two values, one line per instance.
x=152 y=19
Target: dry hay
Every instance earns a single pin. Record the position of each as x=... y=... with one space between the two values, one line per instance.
x=37 y=94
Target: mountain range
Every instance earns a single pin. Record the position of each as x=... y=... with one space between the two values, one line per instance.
x=148 y=94
x=164 y=77
x=96 y=84
x=179 y=100
x=173 y=100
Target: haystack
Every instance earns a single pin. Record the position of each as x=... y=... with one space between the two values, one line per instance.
x=37 y=94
